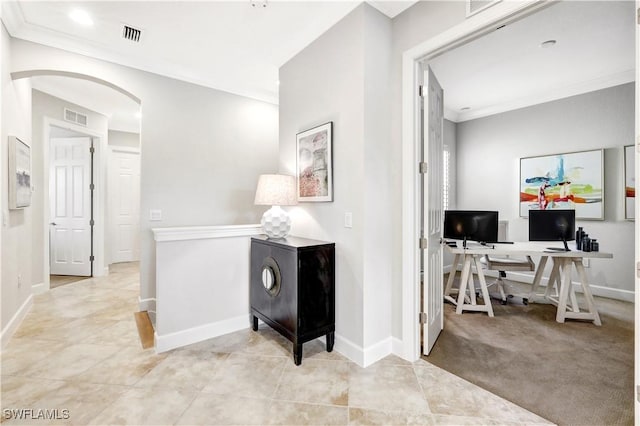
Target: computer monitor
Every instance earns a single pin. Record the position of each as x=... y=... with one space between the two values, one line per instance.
x=476 y=225
x=552 y=225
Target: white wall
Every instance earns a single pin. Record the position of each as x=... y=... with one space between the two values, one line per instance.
x=126 y=139
x=324 y=83
x=17 y=231
x=343 y=77
x=202 y=283
x=378 y=227
x=203 y=149
x=601 y=119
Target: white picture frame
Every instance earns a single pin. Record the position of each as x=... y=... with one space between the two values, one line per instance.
x=314 y=164
x=19 y=173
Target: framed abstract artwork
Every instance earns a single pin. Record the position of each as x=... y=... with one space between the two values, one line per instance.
x=315 y=163
x=19 y=174
x=573 y=180
x=629 y=183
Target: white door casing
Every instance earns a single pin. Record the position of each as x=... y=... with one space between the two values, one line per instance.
x=432 y=217
x=124 y=201
x=70 y=206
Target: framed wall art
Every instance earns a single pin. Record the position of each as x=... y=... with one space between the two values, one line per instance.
x=573 y=180
x=315 y=163
x=19 y=174
x=629 y=183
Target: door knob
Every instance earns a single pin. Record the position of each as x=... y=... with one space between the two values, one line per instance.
x=53 y=223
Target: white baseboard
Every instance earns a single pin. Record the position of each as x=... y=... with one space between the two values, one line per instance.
x=376 y=352
x=39 y=288
x=198 y=334
x=148 y=305
x=364 y=357
x=14 y=323
x=349 y=349
x=596 y=290
x=397 y=347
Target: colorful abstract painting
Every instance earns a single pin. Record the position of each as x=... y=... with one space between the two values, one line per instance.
x=563 y=181
x=629 y=183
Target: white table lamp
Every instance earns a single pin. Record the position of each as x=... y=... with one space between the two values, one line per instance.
x=276 y=191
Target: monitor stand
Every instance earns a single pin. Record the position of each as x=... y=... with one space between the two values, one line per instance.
x=565 y=248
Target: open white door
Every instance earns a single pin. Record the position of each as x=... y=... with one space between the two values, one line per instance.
x=432 y=215
x=124 y=199
x=70 y=201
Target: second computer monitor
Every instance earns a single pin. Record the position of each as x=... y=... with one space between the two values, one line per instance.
x=552 y=225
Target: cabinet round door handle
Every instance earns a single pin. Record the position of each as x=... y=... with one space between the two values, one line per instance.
x=271 y=276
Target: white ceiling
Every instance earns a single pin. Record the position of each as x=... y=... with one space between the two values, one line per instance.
x=235 y=47
x=508 y=69
x=227 y=45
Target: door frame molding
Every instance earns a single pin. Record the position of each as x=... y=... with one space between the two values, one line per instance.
x=413 y=61
x=99 y=201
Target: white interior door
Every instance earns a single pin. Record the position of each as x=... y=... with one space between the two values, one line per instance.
x=70 y=201
x=124 y=199
x=432 y=215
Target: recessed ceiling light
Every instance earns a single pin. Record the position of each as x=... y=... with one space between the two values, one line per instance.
x=277 y=82
x=81 y=17
x=547 y=44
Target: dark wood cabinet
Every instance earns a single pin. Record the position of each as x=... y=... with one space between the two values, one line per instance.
x=292 y=289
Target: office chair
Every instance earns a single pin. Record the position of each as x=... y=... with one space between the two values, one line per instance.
x=504 y=264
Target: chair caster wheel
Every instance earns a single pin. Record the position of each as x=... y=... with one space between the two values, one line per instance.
x=525 y=301
x=503 y=302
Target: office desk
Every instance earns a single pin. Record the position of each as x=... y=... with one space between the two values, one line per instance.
x=563 y=263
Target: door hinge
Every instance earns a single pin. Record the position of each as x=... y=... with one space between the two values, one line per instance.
x=422 y=167
x=638 y=269
x=91 y=222
x=92 y=186
x=423 y=317
x=92 y=150
x=422 y=243
x=91 y=258
x=421 y=91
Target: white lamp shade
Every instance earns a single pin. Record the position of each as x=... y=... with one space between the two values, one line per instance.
x=276 y=190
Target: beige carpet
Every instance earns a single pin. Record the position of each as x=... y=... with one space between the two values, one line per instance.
x=571 y=374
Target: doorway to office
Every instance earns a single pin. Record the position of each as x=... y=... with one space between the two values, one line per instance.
x=415 y=62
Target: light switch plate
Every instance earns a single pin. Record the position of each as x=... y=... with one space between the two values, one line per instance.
x=155 y=215
x=348 y=220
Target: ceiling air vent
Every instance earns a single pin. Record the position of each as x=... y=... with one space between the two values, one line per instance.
x=475 y=6
x=130 y=33
x=75 y=117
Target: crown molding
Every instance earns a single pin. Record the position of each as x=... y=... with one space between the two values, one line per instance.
x=549 y=95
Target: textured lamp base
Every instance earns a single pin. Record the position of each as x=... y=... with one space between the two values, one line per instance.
x=276 y=223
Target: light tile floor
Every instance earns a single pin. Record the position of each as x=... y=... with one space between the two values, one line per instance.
x=78 y=352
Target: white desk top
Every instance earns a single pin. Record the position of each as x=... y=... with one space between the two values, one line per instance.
x=529 y=248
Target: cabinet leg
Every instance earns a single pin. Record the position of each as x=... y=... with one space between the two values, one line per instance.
x=297 y=353
x=255 y=322
x=331 y=337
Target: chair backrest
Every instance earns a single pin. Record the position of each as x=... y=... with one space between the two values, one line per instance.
x=503 y=230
